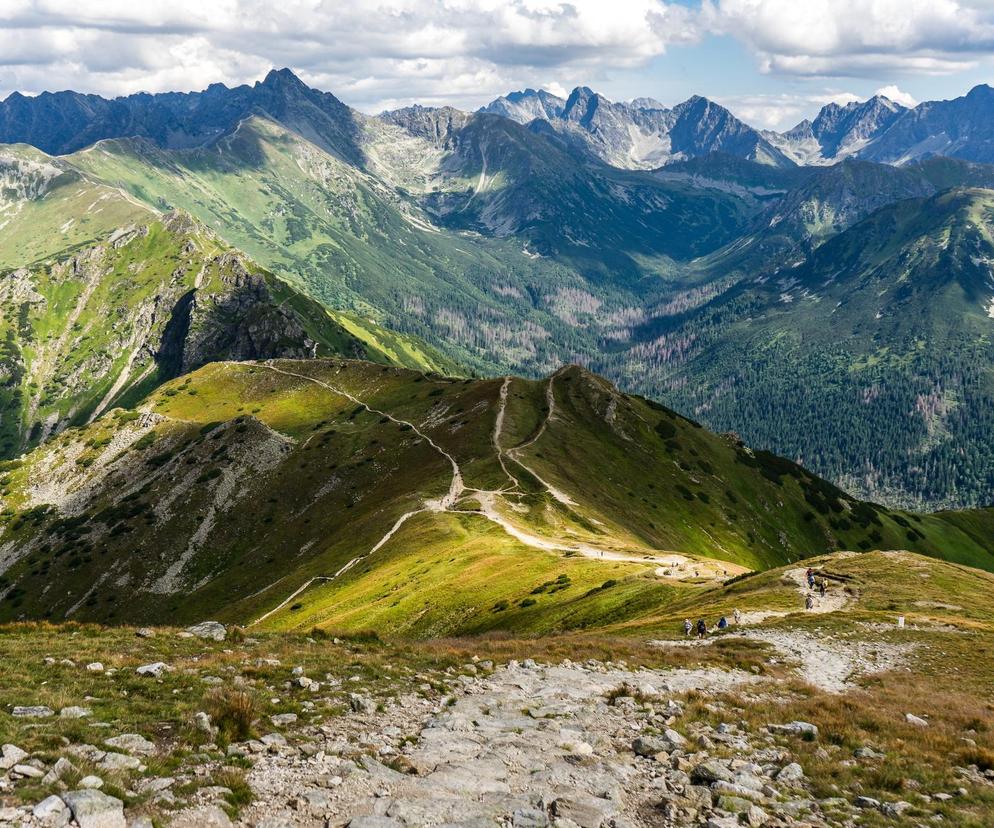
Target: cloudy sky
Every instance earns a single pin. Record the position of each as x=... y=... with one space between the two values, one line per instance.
x=772 y=62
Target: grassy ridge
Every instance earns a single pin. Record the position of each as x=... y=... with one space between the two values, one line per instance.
x=228 y=490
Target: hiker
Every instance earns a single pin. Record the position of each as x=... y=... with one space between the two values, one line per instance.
x=809 y=602
x=811 y=578
x=737 y=616
x=702 y=628
x=723 y=623
x=687 y=627
x=822 y=588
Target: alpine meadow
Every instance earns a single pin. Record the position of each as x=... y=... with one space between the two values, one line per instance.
x=465 y=457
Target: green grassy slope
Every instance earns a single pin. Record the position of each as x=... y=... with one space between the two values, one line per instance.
x=878 y=586
x=101 y=298
x=106 y=321
x=483 y=287
x=232 y=488
x=46 y=207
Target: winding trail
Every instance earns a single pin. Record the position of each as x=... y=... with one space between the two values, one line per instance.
x=669 y=565
x=835 y=600
x=829 y=660
x=442 y=504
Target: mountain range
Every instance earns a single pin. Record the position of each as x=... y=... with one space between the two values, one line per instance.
x=730 y=281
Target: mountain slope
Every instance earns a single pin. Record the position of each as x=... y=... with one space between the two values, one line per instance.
x=885 y=333
x=641 y=134
x=64 y=122
x=300 y=493
x=414 y=259
x=838 y=131
x=960 y=128
x=102 y=298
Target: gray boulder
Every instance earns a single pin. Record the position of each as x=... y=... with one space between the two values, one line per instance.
x=207 y=817
x=208 y=630
x=51 y=809
x=11 y=755
x=32 y=712
x=805 y=729
x=132 y=743
x=711 y=771
x=790 y=774
x=93 y=809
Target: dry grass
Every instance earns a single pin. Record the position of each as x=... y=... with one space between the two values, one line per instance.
x=233 y=713
x=918 y=760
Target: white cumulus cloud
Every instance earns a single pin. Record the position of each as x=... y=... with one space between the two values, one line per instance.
x=897 y=95
x=858 y=38
x=372 y=53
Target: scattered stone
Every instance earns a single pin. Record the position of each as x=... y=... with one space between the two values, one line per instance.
x=361 y=704
x=804 y=729
x=145 y=632
x=11 y=755
x=61 y=767
x=132 y=743
x=283 y=719
x=156 y=784
x=895 y=809
x=208 y=630
x=93 y=809
x=711 y=771
x=119 y=761
x=208 y=817
x=29 y=771
x=95 y=667
x=155 y=670
x=51 y=809
x=75 y=712
x=866 y=802
x=32 y=712
x=649 y=746
x=912 y=719
x=756 y=817
x=202 y=721
x=92 y=782
x=585 y=811
x=790 y=774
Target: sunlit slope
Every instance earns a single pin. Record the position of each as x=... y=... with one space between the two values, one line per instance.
x=345 y=493
x=105 y=321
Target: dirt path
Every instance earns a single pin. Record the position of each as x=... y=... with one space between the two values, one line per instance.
x=827 y=660
x=834 y=600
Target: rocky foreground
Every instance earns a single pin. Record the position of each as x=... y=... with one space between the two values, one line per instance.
x=593 y=744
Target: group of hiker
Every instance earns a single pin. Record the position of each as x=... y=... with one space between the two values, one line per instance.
x=702 y=627
x=819 y=585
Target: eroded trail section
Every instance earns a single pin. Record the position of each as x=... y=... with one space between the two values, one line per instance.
x=523 y=745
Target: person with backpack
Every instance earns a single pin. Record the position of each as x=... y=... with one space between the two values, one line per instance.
x=737 y=616
x=687 y=627
x=809 y=602
x=723 y=623
x=702 y=628
x=811 y=578
x=822 y=588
